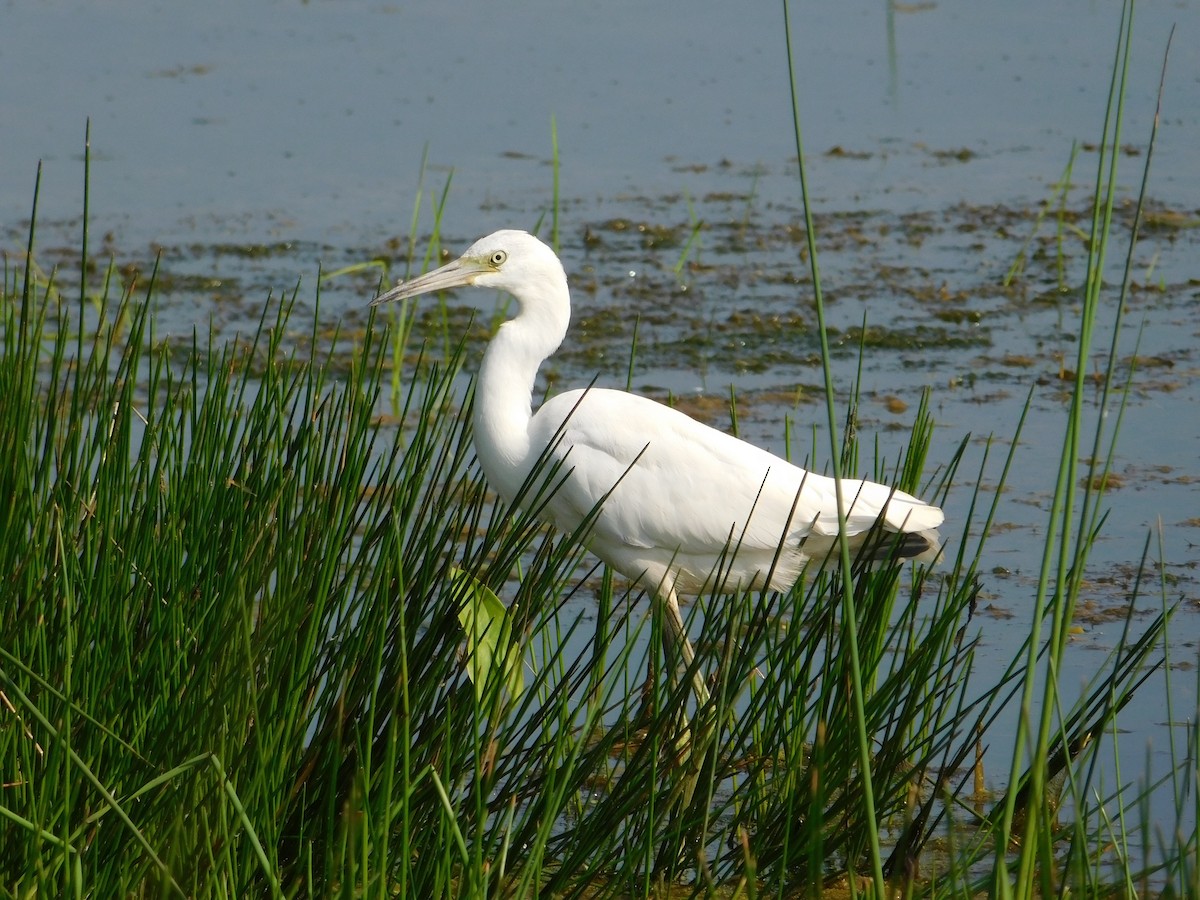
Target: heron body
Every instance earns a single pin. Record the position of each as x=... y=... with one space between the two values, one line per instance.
x=676 y=504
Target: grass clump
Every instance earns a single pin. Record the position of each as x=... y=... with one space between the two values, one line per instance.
x=229 y=630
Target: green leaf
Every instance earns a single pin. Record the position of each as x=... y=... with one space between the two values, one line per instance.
x=490 y=643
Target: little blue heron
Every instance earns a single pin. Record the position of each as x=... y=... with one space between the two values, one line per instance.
x=676 y=505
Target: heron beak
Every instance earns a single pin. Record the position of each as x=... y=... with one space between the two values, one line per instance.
x=460 y=273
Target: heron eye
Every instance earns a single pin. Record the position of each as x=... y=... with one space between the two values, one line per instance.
x=497 y=258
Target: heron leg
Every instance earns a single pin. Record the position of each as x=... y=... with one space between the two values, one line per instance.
x=691 y=742
x=674 y=635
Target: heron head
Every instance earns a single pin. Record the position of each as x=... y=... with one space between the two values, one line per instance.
x=512 y=261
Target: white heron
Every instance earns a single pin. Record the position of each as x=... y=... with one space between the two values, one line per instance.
x=676 y=504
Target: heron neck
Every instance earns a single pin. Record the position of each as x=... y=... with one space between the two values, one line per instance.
x=504 y=392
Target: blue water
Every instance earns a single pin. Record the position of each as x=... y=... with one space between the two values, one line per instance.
x=310 y=119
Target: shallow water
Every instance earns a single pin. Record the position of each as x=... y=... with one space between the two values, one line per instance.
x=252 y=143
x=308 y=121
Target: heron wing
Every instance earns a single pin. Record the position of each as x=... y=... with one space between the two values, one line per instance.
x=671 y=482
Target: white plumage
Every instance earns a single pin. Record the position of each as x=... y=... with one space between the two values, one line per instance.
x=680 y=495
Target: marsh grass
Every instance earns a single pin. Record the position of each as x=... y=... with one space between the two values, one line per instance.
x=232 y=659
